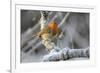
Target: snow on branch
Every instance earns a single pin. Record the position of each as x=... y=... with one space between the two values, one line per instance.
x=65 y=54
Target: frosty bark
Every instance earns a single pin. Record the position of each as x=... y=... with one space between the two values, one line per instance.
x=66 y=53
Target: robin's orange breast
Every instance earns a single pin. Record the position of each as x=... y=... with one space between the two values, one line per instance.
x=54 y=27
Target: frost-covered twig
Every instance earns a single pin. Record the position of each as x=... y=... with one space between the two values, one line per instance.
x=66 y=53
x=63 y=20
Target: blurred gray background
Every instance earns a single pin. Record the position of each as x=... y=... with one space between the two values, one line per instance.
x=75 y=29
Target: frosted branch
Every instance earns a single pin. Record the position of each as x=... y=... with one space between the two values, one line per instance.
x=66 y=53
